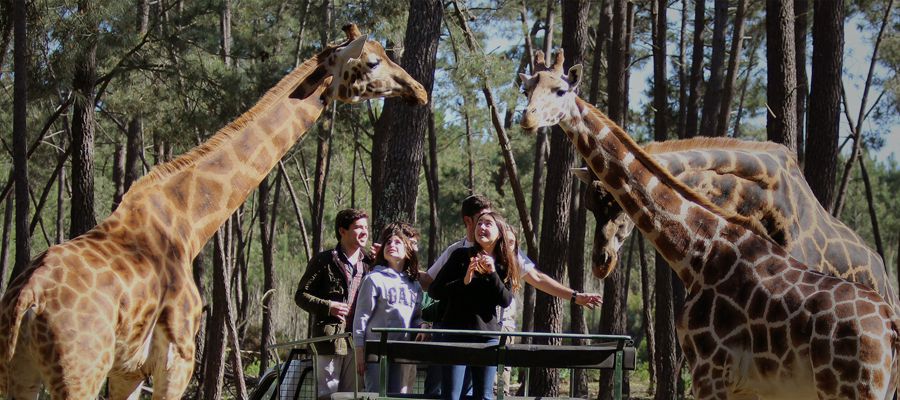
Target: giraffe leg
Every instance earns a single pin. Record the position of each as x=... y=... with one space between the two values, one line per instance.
x=125 y=386
x=172 y=375
x=24 y=379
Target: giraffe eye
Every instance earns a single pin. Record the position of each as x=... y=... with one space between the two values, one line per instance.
x=560 y=93
x=373 y=64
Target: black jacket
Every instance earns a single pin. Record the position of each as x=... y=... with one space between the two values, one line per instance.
x=323 y=282
x=472 y=306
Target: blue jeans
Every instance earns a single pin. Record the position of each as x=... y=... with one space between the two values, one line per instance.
x=373 y=377
x=482 y=377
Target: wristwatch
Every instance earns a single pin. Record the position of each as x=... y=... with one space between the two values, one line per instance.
x=574 y=295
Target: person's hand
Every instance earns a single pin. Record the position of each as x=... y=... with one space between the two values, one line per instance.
x=360 y=361
x=469 y=274
x=375 y=248
x=589 y=300
x=338 y=309
x=422 y=337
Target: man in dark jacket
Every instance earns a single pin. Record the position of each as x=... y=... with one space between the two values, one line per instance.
x=327 y=292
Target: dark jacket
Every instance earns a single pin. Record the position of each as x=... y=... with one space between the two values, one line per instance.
x=323 y=282
x=472 y=306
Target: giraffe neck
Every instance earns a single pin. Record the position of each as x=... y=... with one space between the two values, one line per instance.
x=182 y=203
x=680 y=223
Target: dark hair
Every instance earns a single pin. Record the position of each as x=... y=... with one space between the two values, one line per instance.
x=474 y=205
x=411 y=262
x=345 y=218
x=506 y=251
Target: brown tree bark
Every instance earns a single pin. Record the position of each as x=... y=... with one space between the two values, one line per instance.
x=225 y=40
x=214 y=367
x=601 y=44
x=682 y=72
x=665 y=361
x=873 y=215
x=712 y=100
x=646 y=313
x=60 y=192
x=823 y=114
x=267 y=243
x=296 y=203
x=431 y=175
x=323 y=148
x=198 y=270
x=20 y=136
x=134 y=150
x=407 y=123
x=118 y=175
x=801 y=30
x=781 y=90
x=693 y=105
x=4 y=241
x=83 y=125
x=577 y=232
x=734 y=63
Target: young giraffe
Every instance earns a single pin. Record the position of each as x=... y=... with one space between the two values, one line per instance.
x=120 y=301
x=761 y=181
x=757 y=324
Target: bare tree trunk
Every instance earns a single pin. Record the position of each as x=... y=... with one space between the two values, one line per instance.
x=431 y=174
x=751 y=56
x=801 y=29
x=7 y=25
x=734 y=62
x=823 y=114
x=198 y=268
x=4 y=243
x=781 y=90
x=143 y=16
x=601 y=45
x=60 y=193
x=20 y=136
x=407 y=122
x=713 y=98
x=225 y=40
x=470 y=159
x=873 y=216
x=134 y=150
x=297 y=212
x=682 y=72
x=118 y=175
x=83 y=124
x=665 y=363
x=576 y=277
x=693 y=106
x=215 y=339
x=266 y=241
x=857 y=131
x=646 y=313
x=323 y=149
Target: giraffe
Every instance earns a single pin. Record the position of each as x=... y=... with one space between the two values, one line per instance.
x=761 y=181
x=757 y=324
x=120 y=301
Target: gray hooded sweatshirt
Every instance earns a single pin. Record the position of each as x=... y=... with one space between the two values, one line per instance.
x=386 y=299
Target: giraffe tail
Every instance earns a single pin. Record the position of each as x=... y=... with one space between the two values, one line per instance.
x=14 y=307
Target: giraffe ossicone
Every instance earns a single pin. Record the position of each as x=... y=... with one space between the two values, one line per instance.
x=757 y=324
x=120 y=301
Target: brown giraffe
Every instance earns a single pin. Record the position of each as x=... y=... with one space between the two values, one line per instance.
x=119 y=301
x=757 y=324
x=761 y=181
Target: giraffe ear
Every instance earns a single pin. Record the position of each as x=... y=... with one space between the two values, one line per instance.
x=574 y=77
x=524 y=78
x=353 y=49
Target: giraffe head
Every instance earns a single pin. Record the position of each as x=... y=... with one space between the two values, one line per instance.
x=361 y=70
x=551 y=93
x=613 y=224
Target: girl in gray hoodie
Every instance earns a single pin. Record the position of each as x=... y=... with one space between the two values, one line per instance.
x=390 y=297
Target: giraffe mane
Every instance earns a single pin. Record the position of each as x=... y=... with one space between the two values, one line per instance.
x=667 y=178
x=719 y=143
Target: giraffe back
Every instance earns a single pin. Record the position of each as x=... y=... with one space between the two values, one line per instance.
x=761 y=181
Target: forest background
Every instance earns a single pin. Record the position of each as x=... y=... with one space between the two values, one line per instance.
x=111 y=88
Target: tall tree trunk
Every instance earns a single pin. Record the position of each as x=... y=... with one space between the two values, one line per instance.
x=118 y=175
x=751 y=57
x=60 y=191
x=406 y=122
x=198 y=269
x=82 y=212
x=134 y=150
x=682 y=73
x=873 y=215
x=434 y=223
x=225 y=40
x=801 y=29
x=823 y=116
x=323 y=148
x=4 y=242
x=693 y=106
x=215 y=334
x=296 y=203
x=601 y=44
x=665 y=361
x=612 y=316
x=143 y=10
x=734 y=63
x=266 y=242
x=576 y=276
x=781 y=90
x=20 y=136
x=713 y=98
x=470 y=157
x=646 y=313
